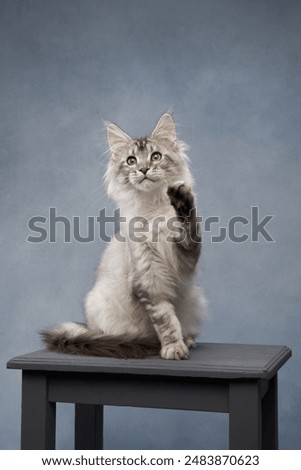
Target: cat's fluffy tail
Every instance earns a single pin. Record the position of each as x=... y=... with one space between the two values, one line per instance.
x=75 y=338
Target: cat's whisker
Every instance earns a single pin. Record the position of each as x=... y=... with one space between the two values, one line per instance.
x=198 y=169
x=106 y=153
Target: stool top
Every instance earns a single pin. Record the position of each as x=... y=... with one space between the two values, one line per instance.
x=207 y=360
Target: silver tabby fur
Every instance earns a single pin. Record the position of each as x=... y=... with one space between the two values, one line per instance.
x=144 y=300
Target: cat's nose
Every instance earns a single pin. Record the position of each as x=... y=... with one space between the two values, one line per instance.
x=144 y=170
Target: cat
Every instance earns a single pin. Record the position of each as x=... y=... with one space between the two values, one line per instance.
x=144 y=301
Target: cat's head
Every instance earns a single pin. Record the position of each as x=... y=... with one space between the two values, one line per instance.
x=145 y=165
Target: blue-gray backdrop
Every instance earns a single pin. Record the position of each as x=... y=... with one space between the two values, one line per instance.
x=231 y=71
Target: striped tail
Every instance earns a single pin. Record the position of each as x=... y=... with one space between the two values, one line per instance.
x=73 y=338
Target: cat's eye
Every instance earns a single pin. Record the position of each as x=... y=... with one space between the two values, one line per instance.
x=131 y=160
x=156 y=156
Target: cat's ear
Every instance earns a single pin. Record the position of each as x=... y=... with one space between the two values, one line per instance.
x=116 y=137
x=165 y=128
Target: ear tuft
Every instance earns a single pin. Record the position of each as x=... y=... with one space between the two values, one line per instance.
x=165 y=128
x=116 y=137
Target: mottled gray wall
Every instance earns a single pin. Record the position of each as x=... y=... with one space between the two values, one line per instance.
x=231 y=71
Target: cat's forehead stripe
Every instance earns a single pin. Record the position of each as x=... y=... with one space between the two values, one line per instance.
x=141 y=146
x=141 y=143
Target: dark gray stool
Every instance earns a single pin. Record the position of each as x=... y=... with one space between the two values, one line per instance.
x=237 y=379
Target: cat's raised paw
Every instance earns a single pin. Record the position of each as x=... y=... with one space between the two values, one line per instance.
x=181 y=198
x=175 y=351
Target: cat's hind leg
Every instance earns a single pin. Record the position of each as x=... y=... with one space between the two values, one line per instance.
x=190 y=342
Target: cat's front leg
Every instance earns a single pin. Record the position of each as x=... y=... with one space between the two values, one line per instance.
x=168 y=329
x=174 y=351
x=153 y=283
x=183 y=200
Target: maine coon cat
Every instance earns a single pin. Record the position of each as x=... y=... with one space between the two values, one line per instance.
x=144 y=300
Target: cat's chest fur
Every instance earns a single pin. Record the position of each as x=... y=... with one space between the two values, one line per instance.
x=150 y=235
x=153 y=260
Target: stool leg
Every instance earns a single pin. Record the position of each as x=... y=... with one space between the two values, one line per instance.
x=88 y=427
x=245 y=415
x=270 y=417
x=38 y=414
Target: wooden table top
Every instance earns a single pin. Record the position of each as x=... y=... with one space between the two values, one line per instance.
x=207 y=360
